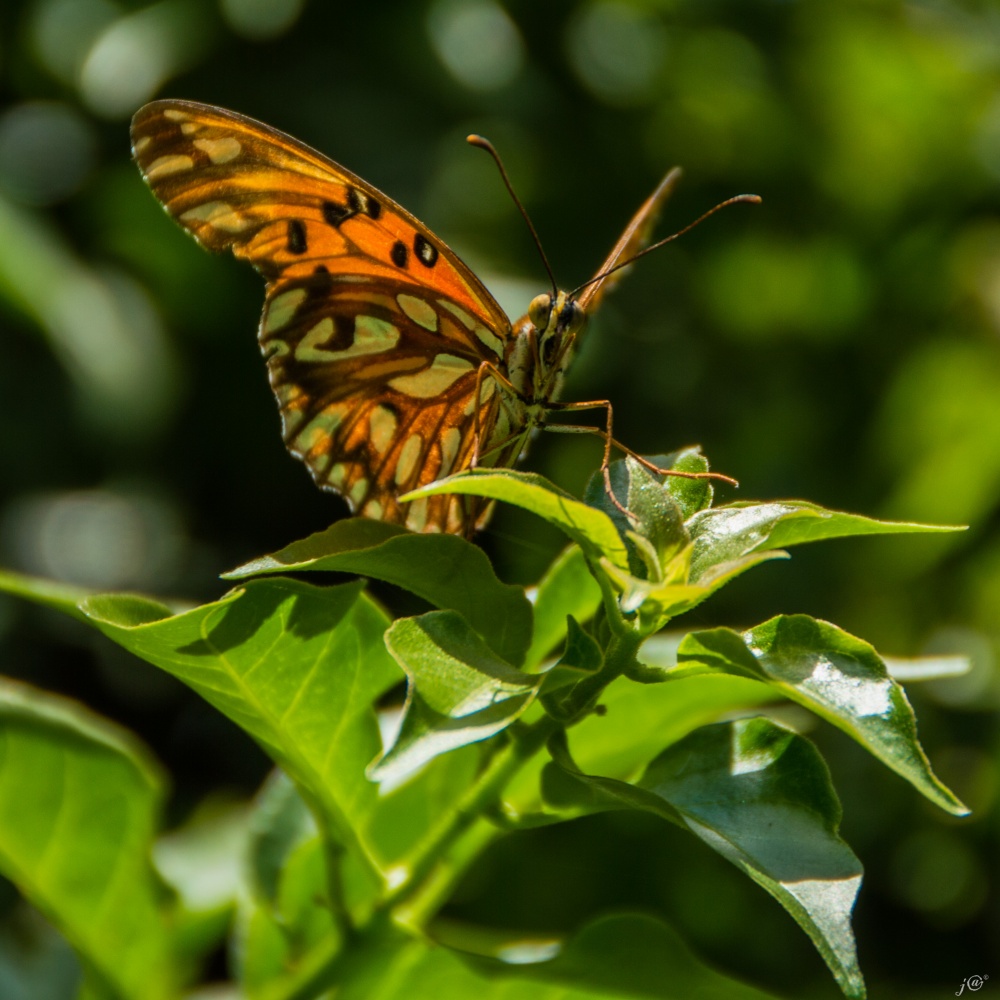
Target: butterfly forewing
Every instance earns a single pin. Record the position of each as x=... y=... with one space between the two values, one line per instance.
x=373 y=328
x=238 y=184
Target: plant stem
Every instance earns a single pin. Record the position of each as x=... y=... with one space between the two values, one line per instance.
x=335 y=887
x=422 y=905
x=525 y=742
x=618 y=658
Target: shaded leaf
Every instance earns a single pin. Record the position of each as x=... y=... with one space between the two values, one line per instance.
x=568 y=588
x=582 y=658
x=760 y=796
x=638 y=721
x=444 y=570
x=285 y=929
x=615 y=956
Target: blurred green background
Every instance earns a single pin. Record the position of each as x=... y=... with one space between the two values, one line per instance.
x=838 y=343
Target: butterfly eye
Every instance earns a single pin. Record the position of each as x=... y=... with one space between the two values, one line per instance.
x=538 y=311
x=571 y=317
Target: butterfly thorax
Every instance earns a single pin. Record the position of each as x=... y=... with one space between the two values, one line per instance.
x=542 y=346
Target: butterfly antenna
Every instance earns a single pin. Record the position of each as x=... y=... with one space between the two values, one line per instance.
x=478 y=140
x=750 y=199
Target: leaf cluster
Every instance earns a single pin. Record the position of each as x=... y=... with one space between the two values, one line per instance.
x=518 y=712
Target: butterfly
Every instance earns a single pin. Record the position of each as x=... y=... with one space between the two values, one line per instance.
x=392 y=364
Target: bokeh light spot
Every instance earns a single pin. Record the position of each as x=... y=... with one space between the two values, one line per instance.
x=769 y=288
x=47 y=150
x=134 y=55
x=616 y=51
x=477 y=42
x=63 y=31
x=95 y=538
x=261 y=19
x=935 y=871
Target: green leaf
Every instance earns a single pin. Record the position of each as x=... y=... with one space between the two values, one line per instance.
x=633 y=955
x=724 y=534
x=444 y=570
x=591 y=529
x=837 y=676
x=627 y=956
x=655 y=531
x=691 y=495
x=407 y=813
x=200 y=861
x=279 y=823
x=658 y=602
x=62 y=597
x=459 y=691
x=298 y=667
x=582 y=658
x=79 y=805
x=568 y=588
x=638 y=721
x=760 y=796
x=284 y=929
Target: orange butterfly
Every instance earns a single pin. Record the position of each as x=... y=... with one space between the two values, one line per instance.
x=392 y=364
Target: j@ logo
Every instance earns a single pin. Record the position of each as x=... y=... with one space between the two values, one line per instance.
x=973 y=983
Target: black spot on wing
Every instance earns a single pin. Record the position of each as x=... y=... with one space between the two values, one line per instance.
x=334 y=213
x=399 y=253
x=296 y=237
x=360 y=203
x=426 y=252
x=320 y=281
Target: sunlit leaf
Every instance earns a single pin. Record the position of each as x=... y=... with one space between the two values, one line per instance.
x=79 y=805
x=591 y=529
x=655 y=530
x=724 y=534
x=298 y=667
x=836 y=675
x=459 y=691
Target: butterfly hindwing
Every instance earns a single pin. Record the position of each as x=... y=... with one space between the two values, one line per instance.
x=378 y=390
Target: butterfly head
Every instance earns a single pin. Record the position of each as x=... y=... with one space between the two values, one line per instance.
x=555 y=322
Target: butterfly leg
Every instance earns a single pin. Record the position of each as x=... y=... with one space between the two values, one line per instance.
x=488 y=368
x=607 y=434
x=610 y=442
